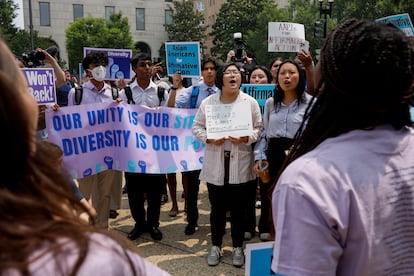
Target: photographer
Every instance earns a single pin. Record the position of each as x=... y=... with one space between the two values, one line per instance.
x=38 y=58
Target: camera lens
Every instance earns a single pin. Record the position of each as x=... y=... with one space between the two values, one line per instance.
x=39 y=55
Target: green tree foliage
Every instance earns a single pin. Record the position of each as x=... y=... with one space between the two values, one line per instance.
x=19 y=40
x=252 y=17
x=257 y=39
x=186 y=24
x=235 y=16
x=7 y=15
x=97 y=33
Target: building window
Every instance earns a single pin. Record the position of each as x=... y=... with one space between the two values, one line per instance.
x=44 y=13
x=140 y=18
x=77 y=11
x=108 y=11
x=200 y=6
x=168 y=17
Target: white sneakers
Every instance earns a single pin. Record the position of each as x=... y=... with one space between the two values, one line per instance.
x=238 y=256
x=265 y=237
x=214 y=256
x=247 y=236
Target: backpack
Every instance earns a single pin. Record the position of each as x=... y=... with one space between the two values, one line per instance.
x=194 y=96
x=79 y=94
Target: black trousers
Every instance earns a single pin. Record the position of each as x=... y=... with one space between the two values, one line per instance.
x=231 y=197
x=275 y=156
x=138 y=185
x=192 y=195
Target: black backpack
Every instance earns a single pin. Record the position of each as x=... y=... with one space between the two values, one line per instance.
x=79 y=94
x=160 y=93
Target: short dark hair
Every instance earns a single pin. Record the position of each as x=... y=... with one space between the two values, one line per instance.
x=205 y=60
x=95 y=58
x=139 y=56
x=220 y=73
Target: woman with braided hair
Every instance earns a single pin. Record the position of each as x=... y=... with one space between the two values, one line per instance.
x=344 y=202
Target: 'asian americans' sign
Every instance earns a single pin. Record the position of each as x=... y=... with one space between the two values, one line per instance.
x=119 y=65
x=402 y=21
x=183 y=57
x=132 y=138
x=41 y=82
x=285 y=37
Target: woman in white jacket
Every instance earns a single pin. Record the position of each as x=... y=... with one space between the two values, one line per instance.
x=228 y=164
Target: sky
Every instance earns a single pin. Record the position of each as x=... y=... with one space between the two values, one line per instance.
x=18 y=21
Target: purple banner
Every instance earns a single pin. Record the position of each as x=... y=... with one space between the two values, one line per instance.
x=132 y=138
x=41 y=82
x=118 y=62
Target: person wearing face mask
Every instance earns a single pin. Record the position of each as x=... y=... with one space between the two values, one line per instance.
x=95 y=90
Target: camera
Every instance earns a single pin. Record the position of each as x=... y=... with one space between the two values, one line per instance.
x=239 y=47
x=35 y=58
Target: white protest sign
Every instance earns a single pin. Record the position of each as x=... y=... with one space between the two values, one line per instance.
x=229 y=120
x=285 y=37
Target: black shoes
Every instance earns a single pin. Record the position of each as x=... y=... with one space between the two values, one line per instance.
x=155 y=233
x=113 y=214
x=190 y=229
x=135 y=233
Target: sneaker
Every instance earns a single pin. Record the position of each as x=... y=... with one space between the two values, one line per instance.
x=265 y=237
x=238 y=256
x=247 y=236
x=214 y=256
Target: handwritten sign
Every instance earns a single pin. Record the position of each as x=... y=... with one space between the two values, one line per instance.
x=402 y=21
x=119 y=65
x=229 y=120
x=41 y=82
x=132 y=138
x=183 y=57
x=285 y=37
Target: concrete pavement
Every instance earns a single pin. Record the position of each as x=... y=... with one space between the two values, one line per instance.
x=177 y=253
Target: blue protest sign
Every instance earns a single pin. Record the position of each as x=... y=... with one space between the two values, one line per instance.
x=402 y=21
x=259 y=259
x=183 y=57
x=261 y=92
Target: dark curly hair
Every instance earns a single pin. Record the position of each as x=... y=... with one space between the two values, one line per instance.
x=95 y=58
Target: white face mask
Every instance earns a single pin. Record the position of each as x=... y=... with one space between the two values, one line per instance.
x=98 y=73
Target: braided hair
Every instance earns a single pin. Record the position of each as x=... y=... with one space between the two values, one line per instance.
x=367 y=76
